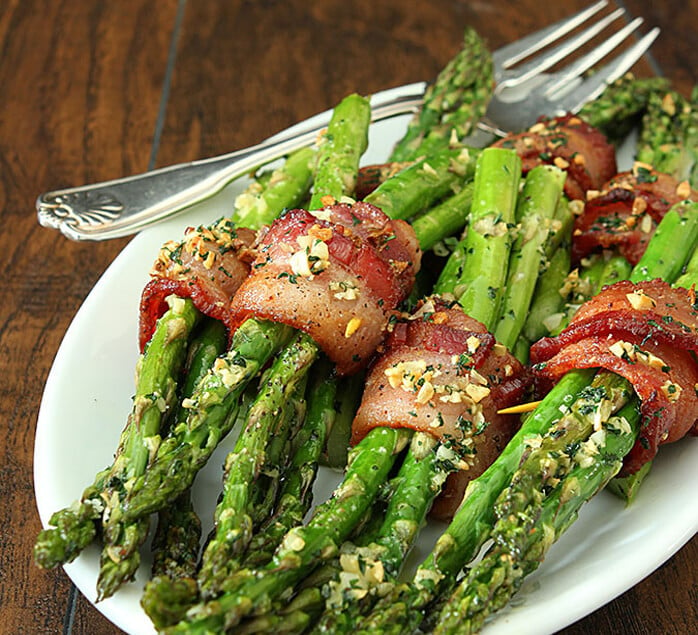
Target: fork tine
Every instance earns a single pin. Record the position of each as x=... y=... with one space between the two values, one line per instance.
x=508 y=55
x=553 y=56
x=585 y=63
x=592 y=87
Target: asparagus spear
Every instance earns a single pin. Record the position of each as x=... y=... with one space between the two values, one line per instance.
x=175 y=545
x=540 y=199
x=243 y=464
x=485 y=247
x=348 y=393
x=208 y=343
x=264 y=491
x=662 y=257
x=319 y=540
x=417 y=187
x=73 y=528
x=547 y=298
x=618 y=109
x=287 y=186
x=662 y=133
x=455 y=102
x=690 y=272
x=494 y=580
x=340 y=150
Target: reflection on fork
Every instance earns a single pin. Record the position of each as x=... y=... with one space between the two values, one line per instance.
x=525 y=90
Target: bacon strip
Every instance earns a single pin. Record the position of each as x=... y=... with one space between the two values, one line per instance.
x=625 y=213
x=571 y=144
x=442 y=373
x=336 y=274
x=208 y=266
x=647 y=333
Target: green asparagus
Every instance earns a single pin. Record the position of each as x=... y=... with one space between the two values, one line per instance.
x=74 y=528
x=286 y=187
x=454 y=103
x=622 y=104
x=175 y=545
x=340 y=150
x=539 y=200
x=486 y=245
x=264 y=491
x=492 y=582
x=243 y=465
x=304 y=546
x=418 y=187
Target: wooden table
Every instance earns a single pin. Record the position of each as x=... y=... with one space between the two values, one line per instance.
x=94 y=90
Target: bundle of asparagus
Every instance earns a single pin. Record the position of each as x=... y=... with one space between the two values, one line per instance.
x=275 y=385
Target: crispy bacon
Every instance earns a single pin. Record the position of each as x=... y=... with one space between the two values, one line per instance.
x=571 y=144
x=442 y=373
x=625 y=213
x=646 y=332
x=337 y=274
x=208 y=266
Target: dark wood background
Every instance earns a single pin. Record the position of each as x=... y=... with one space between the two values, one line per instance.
x=95 y=90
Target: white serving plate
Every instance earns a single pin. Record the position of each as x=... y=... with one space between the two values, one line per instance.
x=87 y=399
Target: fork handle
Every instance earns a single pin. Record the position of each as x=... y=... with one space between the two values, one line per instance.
x=124 y=206
x=121 y=207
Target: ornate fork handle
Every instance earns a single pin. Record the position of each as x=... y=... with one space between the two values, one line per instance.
x=124 y=206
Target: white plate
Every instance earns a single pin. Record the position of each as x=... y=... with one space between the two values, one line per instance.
x=87 y=399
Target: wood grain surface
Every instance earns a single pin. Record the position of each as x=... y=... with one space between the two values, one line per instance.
x=94 y=90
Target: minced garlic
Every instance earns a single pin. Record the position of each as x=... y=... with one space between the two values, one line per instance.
x=352 y=326
x=640 y=301
x=345 y=290
x=683 y=189
x=477 y=393
x=671 y=391
x=473 y=343
x=312 y=258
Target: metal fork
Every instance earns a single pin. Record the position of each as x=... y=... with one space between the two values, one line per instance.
x=524 y=92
